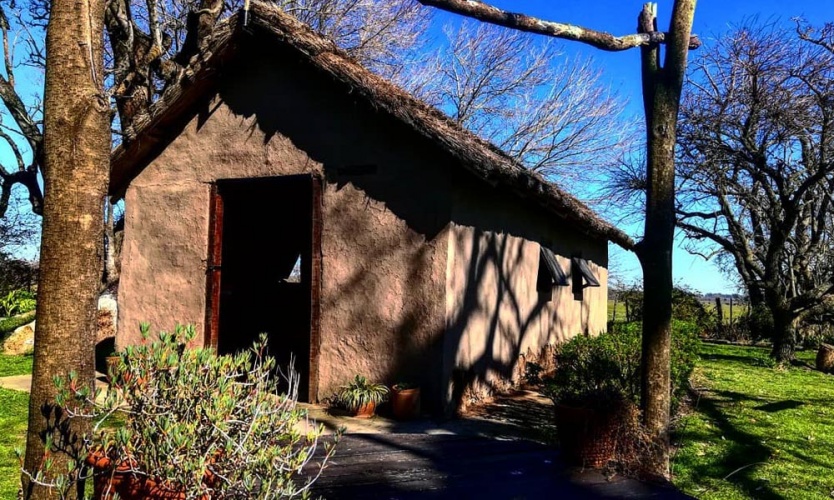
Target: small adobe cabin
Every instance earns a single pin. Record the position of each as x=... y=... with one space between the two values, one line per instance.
x=283 y=188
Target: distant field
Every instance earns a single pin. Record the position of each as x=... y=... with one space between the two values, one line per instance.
x=738 y=310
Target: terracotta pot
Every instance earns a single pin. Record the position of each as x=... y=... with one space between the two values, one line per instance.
x=367 y=410
x=405 y=403
x=111 y=480
x=587 y=437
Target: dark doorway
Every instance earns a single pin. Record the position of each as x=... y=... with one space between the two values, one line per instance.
x=264 y=240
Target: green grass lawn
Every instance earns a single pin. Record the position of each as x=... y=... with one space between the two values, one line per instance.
x=15 y=365
x=758 y=432
x=14 y=407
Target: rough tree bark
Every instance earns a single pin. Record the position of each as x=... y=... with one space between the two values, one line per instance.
x=662 y=83
x=76 y=160
x=661 y=97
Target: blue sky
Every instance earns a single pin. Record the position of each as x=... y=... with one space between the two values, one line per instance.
x=621 y=71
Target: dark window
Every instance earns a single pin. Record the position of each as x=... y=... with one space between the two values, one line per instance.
x=581 y=276
x=550 y=273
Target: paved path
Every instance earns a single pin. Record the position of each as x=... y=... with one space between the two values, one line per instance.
x=482 y=456
x=16 y=382
x=417 y=466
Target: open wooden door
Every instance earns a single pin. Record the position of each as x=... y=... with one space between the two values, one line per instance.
x=266 y=240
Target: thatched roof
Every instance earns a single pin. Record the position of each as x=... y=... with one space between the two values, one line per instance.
x=150 y=131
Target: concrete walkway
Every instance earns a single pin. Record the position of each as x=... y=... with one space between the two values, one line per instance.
x=488 y=454
x=16 y=382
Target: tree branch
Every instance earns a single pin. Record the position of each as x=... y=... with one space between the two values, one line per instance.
x=599 y=39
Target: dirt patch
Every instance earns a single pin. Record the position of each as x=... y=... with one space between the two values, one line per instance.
x=526 y=410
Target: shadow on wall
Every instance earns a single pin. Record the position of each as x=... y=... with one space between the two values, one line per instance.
x=499 y=321
x=404 y=174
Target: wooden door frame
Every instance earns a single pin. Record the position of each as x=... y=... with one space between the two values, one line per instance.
x=214 y=263
x=315 y=289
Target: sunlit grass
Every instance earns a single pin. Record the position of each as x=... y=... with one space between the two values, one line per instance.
x=14 y=407
x=758 y=432
x=15 y=365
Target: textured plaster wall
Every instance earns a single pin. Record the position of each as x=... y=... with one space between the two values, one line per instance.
x=495 y=315
x=427 y=273
x=384 y=235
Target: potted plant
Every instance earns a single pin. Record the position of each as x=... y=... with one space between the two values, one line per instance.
x=592 y=389
x=361 y=397
x=405 y=400
x=195 y=425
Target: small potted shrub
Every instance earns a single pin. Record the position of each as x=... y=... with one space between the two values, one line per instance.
x=405 y=400
x=592 y=389
x=196 y=425
x=361 y=397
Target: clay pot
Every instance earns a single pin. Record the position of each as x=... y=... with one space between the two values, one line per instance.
x=405 y=403
x=111 y=480
x=587 y=437
x=367 y=410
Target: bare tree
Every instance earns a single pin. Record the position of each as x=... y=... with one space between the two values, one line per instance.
x=383 y=36
x=662 y=79
x=757 y=167
x=14 y=22
x=504 y=86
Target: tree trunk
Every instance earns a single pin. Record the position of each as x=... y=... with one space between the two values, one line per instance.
x=76 y=155
x=661 y=98
x=754 y=312
x=784 y=336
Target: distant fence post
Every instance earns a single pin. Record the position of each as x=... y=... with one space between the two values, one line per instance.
x=731 y=309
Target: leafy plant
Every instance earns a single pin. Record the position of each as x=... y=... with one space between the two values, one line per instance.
x=190 y=414
x=609 y=364
x=404 y=386
x=360 y=392
x=17 y=302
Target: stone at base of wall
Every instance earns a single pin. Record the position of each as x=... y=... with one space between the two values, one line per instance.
x=476 y=388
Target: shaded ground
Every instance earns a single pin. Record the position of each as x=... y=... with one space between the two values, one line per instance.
x=496 y=451
x=412 y=466
x=519 y=415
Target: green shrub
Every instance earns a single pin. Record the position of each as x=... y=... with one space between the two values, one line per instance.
x=17 y=302
x=190 y=414
x=686 y=306
x=610 y=363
